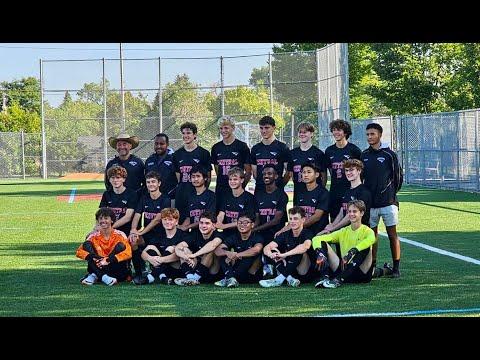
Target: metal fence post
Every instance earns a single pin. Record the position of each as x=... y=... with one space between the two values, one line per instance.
x=319 y=106
x=477 y=152
x=160 y=95
x=222 y=91
x=105 y=148
x=347 y=83
x=458 y=151
x=270 y=79
x=404 y=125
x=42 y=112
x=292 y=133
x=22 y=137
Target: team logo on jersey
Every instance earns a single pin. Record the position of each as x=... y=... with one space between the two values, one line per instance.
x=203 y=203
x=180 y=161
x=150 y=163
x=352 y=198
x=274 y=202
x=124 y=201
x=258 y=154
x=294 y=160
x=273 y=153
x=314 y=201
x=196 y=160
x=331 y=157
x=346 y=156
x=381 y=159
x=146 y=206
x=365 y=160
x=218 y=154
x=168 y=163
x=301 y=200
x=133 y=163
x=235 y=153
x=241 y=206
x=310 y=159
x=262 y=203
x=158 y=207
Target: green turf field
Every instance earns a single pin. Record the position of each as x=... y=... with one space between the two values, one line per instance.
x=39 y=273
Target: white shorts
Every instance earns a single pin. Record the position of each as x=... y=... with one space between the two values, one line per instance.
x=388 y=213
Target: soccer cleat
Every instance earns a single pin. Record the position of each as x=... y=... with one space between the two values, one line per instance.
x=269 y=283
x=166 y=280
x=140 y=280
x=186 y=282
x=387 y=269
x=332 y=284
x=319 y=284
x=267 y=270
x=90 y=279
x=232 y=282
x=396 y=273
x=108 y=280
x=221 y=283
x=293 y=282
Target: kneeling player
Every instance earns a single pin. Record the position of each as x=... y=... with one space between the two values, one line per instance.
x=239 y=254
x=107 y=252
x=355 y=263
x=197 y=252
x=290 y=251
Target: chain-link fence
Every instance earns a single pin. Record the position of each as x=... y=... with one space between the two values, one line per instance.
x=20 y=155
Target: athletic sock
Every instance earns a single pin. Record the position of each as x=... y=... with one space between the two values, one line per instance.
x=396 y=265
x=280 y=279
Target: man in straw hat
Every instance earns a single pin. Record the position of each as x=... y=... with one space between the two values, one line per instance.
x=124 y=143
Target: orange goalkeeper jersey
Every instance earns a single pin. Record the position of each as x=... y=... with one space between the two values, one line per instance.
x=104 y=247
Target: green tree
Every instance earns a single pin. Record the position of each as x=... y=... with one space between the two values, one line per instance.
x=26 y=92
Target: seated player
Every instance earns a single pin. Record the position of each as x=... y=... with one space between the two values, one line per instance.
x=239 y=254
x=160 y=254
x=197 y=257
x=106 y=251
x=355 y=262
x=290 y=252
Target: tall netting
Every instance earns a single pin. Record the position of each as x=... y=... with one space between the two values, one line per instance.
x=20 y=155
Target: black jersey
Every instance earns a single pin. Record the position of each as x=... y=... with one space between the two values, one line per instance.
x=298 y=157
x=287 y=241
x=383 y=176
x=150 y=208
x=195 y=240
x=119 y=203
x=268 y=204
x=317 y=198
x=199 y=204
x=135 y=172
x=233 y=206
x=184 y=160
x=163 y=242
x=361 y=192
x=275 y=154
x=165 y=167
x=237 y=154
x=335 y=156
x=236 y=242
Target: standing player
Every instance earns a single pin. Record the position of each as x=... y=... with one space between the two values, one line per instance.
x=124 y=143
x=184 y=159
x=383 y=177
x=228 y=153
x=161 y=161
x=306 y=153
x=269 y=151
x=335 y=154
x=106 y=251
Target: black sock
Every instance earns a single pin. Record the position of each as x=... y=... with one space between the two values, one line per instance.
x=396 y=265
x=201 y=270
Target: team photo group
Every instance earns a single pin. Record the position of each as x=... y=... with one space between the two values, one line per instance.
x=160 y=222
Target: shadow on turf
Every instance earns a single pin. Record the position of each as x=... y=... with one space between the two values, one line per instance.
x=43 y=249
x=49 y=193
x=56 y=183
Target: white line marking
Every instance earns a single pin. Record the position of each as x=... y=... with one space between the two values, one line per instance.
x=72 y=196
x=405 y=313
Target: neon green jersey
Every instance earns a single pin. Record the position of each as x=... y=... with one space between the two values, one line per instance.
x=362 y=238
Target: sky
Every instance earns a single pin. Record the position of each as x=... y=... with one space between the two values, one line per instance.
x=19 y=60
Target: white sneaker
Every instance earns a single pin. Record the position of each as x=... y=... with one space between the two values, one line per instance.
x=90 y=279
x=221 y=283
x=319 y=284
x=293 y=282
x=186 y=282
x=269 y=283
x=232 y=282
x=108 y=280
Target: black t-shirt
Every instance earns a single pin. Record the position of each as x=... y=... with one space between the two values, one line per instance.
x=119 y=203
x=165 y=167
x=237 y=154
x=199 y=204
x=236 y=242
x=233 y=206
x=267 y=205
x=317 y=198
x=275 y=154
x=163 y=242
x=195 y=240
x=298 y=157
x=184 y=160
x=150 y=208
x=335 y=156
x=135 y=172
x=361 y=192
x=286 y=241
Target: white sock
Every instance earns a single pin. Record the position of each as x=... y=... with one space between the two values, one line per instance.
x=105 y=277
x=289 y=278
x=150 y=278
x=94 y=275
x=280 y=279
x=190 y=276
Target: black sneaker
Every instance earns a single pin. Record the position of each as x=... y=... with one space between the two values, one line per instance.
x=387 y=269
x=166 y=281
x=140 y=280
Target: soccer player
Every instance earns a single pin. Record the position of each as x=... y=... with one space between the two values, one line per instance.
x=358 y=191
x=184 y=159
x=383 y=177
x=354 y=264
x=197 y=253
x=290 y=252
x=228 y=153
x=121 y=200
x=269 y=151
x=236 y=202
x=161 y=161
x=160 y=254
x=335 y=154
x=106 y=251
x=239 y=254
x=123 y=144
x=202 y=200
x=149 y=205
x=306 y=153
